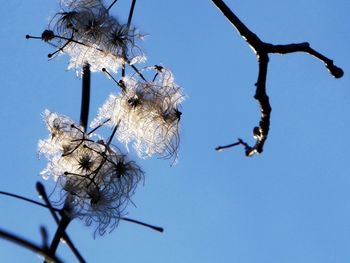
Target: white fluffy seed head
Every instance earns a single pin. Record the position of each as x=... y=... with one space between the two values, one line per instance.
x=96 y=179
x=86 y=31
x=147 y=114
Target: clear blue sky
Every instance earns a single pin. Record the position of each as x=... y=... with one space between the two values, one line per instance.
x=290 y=204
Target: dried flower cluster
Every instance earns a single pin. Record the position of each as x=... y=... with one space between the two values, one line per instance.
x=97 y=178
x=86 y=31
x=147 y=112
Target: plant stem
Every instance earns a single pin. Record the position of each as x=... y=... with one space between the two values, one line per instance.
x=131 y=12
x=29 y=245
x=41 y=190
x=157 y=228
x=110 y=6
x=85 y=97
x=262 y=50
x=66 y=237
x=23 y=198
x=60 y=232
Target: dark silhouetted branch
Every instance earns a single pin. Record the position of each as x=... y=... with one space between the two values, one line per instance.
x=111 y=5
x=85 y=97
x=157 y=228
x=305 y=47
x=138 y=72
x=23 y=198
x=262 y=50
x=61 y=231
x=29 y=245
x=42 y=192
x=132 y=7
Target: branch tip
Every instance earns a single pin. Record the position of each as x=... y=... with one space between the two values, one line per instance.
x=156 y=228
x=40 y=188
x=335 y=71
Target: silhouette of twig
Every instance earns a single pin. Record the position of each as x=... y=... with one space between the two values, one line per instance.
x=262 y=51
x=85 y=97
x=29 y=245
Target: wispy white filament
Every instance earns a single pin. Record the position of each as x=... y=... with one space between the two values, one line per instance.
x=96 y=178
x=86 y=31
x=147 y=113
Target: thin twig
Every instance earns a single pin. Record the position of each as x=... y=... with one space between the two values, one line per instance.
x=131 y=12
x=23 y=198
x=44 y=237
x=112 y=4
x=85 y=97
x=112 y=135
x=138 y=72
x=29 y=245
x=221 y=148
x=123 y=70
x=69 y=40
x=262 y=50
x=66 y=238
x=97 y=127
x=252 y=39
x=60 y=232
x=305 y=47
x=41 y=190
x=116 y=82
x=157 y=228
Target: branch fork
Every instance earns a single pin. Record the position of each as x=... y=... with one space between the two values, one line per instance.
x=262 y=51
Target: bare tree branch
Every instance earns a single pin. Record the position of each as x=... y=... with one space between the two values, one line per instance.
x=23 y=198
x=262 y=50
x=42 y=192
x=61 y=231
x=29 y=245
x=85 y=97
x=156 y=228
x=305 y=47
